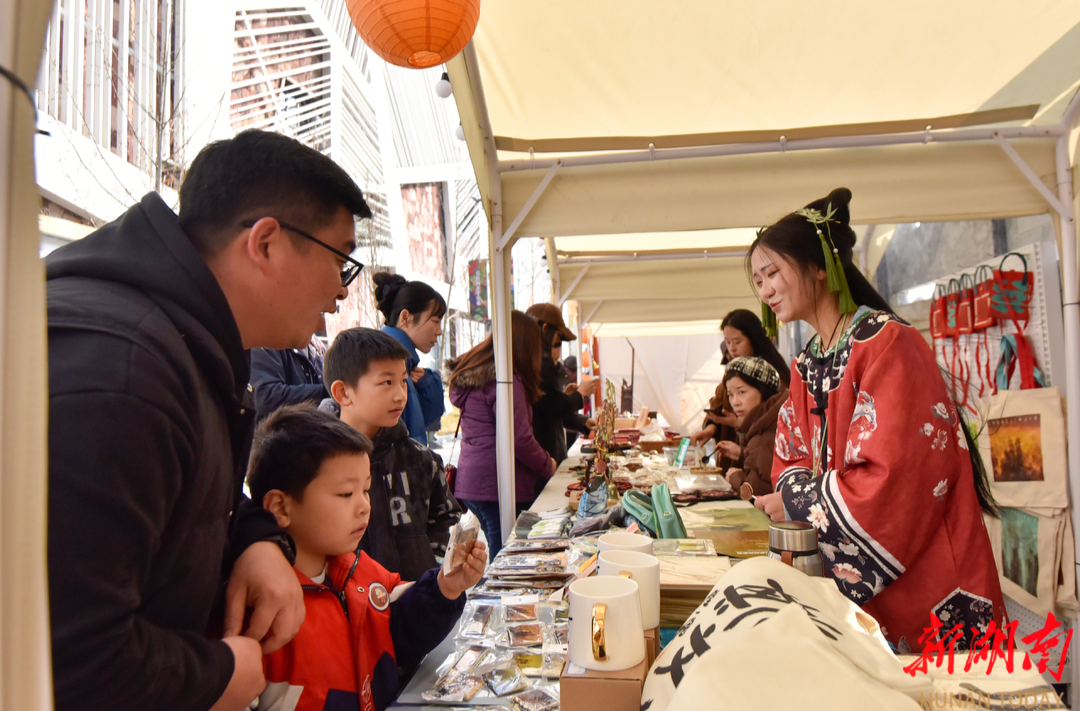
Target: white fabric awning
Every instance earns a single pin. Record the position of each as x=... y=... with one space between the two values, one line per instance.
x=780 y=102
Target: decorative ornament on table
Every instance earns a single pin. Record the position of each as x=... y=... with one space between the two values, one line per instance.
x=605 y=436
x=415 y=33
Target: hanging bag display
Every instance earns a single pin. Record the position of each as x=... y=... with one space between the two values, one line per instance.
x=964 y=329
x=1016 y=353
x=984 y=284
x=956 y=364
x=952 y=302
x=1011 y=298
x=983 y=319
x=937 y=313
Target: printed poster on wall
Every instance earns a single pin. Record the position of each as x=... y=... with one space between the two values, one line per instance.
x=478 y=289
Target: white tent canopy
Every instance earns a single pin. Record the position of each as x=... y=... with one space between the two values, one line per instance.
x=608 y=119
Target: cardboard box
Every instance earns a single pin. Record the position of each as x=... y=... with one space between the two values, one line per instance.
x=603 y=691
x=652 y=645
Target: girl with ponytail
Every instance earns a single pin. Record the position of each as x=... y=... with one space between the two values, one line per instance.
x=870 y=448
x=413 y=311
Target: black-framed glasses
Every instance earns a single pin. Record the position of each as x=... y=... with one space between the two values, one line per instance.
x=348 y=272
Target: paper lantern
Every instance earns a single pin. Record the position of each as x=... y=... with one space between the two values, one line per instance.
x=415 y=33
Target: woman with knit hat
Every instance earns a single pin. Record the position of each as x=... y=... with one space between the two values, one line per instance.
x=871 y=450
x=756 y=393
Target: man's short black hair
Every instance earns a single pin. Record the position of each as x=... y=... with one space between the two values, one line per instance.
x=291 y=445
x=353 y=352
x=261 y=174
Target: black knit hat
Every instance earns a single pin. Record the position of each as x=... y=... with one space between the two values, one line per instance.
x=757 y=372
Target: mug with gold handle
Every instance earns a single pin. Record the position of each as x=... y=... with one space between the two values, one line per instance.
x=605 y=631
x=599 y=643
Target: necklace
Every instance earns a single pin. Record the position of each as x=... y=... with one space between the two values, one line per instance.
x=822 y=403
x=824 y=347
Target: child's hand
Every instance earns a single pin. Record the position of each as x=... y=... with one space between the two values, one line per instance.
x=466 y=575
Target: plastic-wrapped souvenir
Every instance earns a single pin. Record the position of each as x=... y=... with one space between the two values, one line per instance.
x=463 y=535
x=454 y=690
x=531 y=663
x=553 y=665
x=525 y=635
x=505 y=680
x=546 y=699
x=466 y=660
x=479 y=619
x=522 y=612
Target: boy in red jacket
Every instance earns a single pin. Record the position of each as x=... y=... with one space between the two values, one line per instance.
x=313 y=472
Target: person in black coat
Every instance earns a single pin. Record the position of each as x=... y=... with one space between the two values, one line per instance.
x=150 y=320
x=556 y=410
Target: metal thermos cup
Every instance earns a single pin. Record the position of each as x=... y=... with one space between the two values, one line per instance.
x=795 y=543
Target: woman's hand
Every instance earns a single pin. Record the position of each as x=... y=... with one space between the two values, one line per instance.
x=554 y=465
x=703 y=435
x=728 y=418
x=735 y=477
x=730 y=449
x=417 y=373
x=772 y=505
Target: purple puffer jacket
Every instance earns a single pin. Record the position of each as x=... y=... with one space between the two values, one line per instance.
x=474 y=394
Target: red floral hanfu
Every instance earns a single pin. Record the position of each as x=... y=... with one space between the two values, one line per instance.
x=899 y=524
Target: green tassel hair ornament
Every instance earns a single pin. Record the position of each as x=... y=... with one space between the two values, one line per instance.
x=768 y=320
x=834 y=270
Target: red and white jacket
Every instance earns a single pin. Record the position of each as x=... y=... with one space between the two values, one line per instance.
x=362 y=623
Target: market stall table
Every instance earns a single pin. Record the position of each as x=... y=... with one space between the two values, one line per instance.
x=684 y=580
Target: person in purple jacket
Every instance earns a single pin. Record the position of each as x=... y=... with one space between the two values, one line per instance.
x=472 y=391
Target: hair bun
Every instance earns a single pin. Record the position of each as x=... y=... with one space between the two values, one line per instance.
x=387 y=285
x=837 y=201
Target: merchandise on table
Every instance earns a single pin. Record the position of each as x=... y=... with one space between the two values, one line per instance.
x=546 y=699
x=524 y=612
x=478 y=619
x=455 y=689
x=505 y=680
x=529 y=559
x=524 y=635
x=463 y=535
x=683 y=546
x=517 y=546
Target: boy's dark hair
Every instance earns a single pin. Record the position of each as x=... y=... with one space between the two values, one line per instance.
x=354 y=350
x=260 y=174
x=291 y=445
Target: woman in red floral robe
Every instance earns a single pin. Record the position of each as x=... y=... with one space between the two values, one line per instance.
x=870 y=448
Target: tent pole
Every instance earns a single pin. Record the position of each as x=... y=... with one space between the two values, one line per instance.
x=553 y=266
x=499 y=273
x=1071 y=315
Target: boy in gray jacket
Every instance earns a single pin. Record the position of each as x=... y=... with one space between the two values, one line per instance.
x=412 y=508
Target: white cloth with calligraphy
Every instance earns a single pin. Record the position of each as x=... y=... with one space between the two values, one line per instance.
x=768 y=636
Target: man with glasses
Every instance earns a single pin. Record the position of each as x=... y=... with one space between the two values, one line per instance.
x=150 y=322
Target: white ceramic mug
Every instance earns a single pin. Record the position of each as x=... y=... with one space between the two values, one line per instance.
x=605 y=623
x=642 y=569
x=625 y=542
